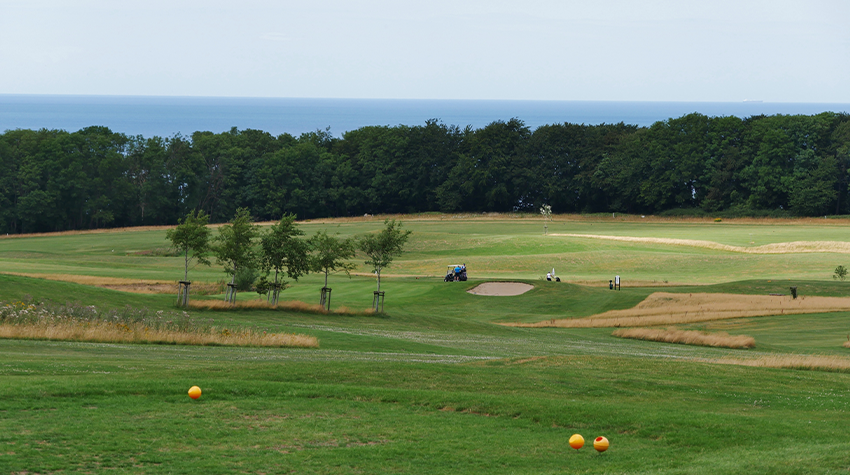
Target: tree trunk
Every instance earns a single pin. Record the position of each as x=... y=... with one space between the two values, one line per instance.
x=274 y=289
x=233 y=288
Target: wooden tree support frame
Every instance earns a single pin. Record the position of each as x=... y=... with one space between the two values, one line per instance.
x=183 y=293
x=325 y=299
x=230 y=293
x=378 y=300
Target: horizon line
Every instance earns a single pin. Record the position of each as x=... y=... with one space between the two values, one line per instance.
x=156 y=96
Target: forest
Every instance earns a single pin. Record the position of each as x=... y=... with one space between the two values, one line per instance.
x=787 y=165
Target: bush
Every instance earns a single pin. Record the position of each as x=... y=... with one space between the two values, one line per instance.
x=245 y=278
x=840 y=273
x=684 y=212
x=740 y=212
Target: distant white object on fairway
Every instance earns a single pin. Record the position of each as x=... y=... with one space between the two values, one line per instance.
x=500 y=289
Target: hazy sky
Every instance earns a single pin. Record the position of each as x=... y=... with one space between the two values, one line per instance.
x=677 y=50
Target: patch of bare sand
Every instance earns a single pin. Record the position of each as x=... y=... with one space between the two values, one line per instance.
x=663 y=308
x=775 y=248
x=500 y=289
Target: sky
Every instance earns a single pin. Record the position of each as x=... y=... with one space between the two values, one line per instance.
x=609 y=50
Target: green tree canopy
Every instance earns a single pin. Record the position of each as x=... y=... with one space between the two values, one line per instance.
x=233 y=248
x=191 y=236
x=383 y=247
x=54 y=180
x=840 y=273
x=284 y=251
x=330 y=254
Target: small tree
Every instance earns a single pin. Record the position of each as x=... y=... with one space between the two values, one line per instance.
x=840 y=273
x=192 y=238
x=233 y=248
x=383 y=247
x=284 y=251
x=330 y=254
x=262 y=286
x=546 y=211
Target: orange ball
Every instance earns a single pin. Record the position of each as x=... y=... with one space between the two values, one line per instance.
x=194 y=392
x=600 y=444
x=576 y=441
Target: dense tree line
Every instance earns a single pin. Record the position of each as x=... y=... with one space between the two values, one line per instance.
x=56 y=180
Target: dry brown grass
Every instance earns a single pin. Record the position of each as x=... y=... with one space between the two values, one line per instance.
x=89 y=231
x=775 y=248
x=778 y=360
x=93 y=280
x=687 y=337
x=809 y=362
x=663 y=308
x=108 y=332
x=291 y=305
x=198 y=288
x=138 y=286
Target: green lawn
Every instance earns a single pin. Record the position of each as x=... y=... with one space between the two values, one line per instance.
x=434 y=386
x=510 y=249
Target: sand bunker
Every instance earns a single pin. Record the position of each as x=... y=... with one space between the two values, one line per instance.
x=663 y=308
x=775 y=248
x=500 y=289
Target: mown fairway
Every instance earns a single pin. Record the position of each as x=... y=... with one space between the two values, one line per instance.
x=434 y=386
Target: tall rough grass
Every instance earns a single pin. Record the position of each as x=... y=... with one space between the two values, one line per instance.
x=291 y=305
x=663 y=308
x=786 y=361
x=140 y=286
x=27 y=320
x=687 y=337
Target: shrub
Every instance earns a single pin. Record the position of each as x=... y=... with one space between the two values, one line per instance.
x=684 y=212
x=245 y=278
x=840 y=273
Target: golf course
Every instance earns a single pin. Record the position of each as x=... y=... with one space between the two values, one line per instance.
x=451 y=377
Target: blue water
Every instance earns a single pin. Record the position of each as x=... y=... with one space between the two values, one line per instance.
x=166 y=116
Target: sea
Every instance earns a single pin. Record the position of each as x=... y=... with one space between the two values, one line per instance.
x=166 y=116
